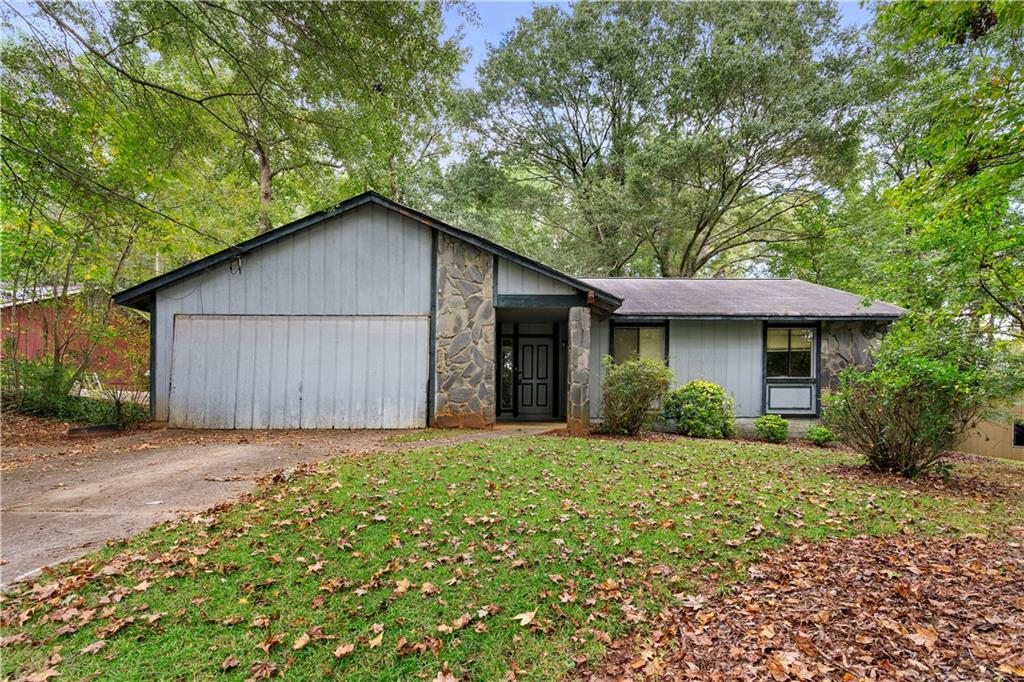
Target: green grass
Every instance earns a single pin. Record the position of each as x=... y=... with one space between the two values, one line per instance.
x=430 y=434
x=594 y=536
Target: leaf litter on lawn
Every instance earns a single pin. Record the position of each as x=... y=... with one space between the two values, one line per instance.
x=892 y=608
x=523 y=556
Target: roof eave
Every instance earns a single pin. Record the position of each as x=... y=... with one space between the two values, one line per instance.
x=777 y=318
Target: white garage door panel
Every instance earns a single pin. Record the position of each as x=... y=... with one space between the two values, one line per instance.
x=299 y=371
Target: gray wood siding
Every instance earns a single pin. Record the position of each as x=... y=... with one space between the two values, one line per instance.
x=515 y=279
x=299 y=371
x=728 y=353
x=370 y=261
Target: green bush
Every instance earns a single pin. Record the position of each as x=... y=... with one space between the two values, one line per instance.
x=632 y=390
x=121 y=410
x=40 y=387
x=930 y=383
x=701 y=409
x=44 y=389
x=772 y=427
x=820 y=435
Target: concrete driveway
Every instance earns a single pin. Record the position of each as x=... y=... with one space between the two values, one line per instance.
x=58 y=506
x=60 y=501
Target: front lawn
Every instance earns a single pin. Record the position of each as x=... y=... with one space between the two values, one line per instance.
x=421 y=435
x=519 y=554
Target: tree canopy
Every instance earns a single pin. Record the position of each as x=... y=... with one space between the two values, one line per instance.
x=668 y=138
x=641 y=138
x=138 y=136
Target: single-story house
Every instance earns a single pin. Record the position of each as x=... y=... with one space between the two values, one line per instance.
x=36 y=321
x=375 y=315
x=998 y=435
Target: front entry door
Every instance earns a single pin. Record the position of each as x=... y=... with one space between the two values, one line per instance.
x=535 y=363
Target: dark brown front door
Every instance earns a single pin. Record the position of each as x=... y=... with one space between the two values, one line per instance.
x=535 y=362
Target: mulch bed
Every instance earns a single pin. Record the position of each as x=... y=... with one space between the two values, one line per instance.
x=27 y=439
x=894 y=608
x=19 y=429
x=1008 y=485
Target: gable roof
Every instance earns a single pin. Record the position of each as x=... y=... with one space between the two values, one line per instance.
x=740 y=298
x=627 y=297
x=139 y=295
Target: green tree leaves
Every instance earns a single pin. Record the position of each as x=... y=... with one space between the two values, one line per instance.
x=668 y=135
x=138 y=136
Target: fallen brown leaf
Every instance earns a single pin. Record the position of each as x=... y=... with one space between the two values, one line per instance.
x=94 y=647
x=525 y=618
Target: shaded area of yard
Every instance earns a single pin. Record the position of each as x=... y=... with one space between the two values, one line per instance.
x=24 y=431
x=528 y=555
x=895 y=607
x=34 y=440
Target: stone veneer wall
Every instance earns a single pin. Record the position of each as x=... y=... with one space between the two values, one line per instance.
x=847 y=343
x=464 y=395
x=578 y=407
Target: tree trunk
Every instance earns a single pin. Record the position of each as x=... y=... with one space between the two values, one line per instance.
x=266 y=187
x=393 y=175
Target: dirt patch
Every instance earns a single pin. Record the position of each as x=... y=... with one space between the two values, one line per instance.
x=976 y=484
x=20 y=430
x=46 y=441
x=894 y=608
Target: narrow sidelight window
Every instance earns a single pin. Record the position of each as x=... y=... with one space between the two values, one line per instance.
x=507 y=368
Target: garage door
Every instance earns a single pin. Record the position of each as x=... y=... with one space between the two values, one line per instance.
x=297 y=371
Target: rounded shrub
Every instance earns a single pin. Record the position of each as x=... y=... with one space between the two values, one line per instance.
x=632 y=390
x=701 y=409
x=771 y=427
x=932 y=380
x=820 y=435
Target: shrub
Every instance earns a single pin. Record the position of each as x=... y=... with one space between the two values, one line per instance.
x=42 y=387
x=928 y=386
x=701 y=409
x=771 y=427
x=820 y=435
x=632 y=390
x=45 y=390
x=121 y=410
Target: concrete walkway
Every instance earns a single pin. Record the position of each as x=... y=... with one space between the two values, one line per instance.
x=59 y=508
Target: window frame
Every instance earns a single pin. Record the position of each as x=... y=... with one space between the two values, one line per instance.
x=502 y=382
x=813 y=381
x=1015 y=425
x=630 y=324
x=813 y=371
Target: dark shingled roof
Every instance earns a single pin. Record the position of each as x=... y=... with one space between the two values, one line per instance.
x=740 y=298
